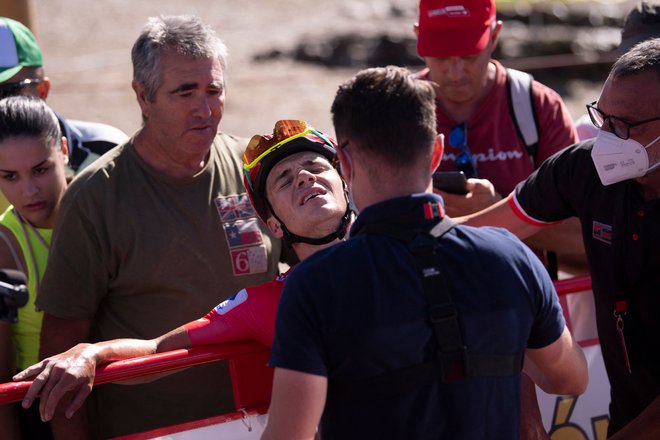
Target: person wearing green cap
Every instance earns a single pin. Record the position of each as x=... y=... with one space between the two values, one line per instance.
x=22 y=73
x=19 y=49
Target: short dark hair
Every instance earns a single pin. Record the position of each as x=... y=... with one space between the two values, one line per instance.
x=643 y=57
x=389 y=113
x=24 y=116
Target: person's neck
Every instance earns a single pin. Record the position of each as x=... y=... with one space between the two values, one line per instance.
x=462 y=111
x=304 y=250
x=330 y=226
x=389 y=188
x=158 y=157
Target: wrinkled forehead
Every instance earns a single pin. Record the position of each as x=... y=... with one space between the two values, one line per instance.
x=175 y=68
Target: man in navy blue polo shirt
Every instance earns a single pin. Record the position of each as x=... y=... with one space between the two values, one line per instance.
x=612 y=183
x=396 y=333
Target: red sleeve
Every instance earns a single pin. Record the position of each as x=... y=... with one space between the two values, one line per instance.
x=250 y=314
x=556 y=127
x=522 y=215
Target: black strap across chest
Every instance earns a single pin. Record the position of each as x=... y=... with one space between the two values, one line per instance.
x=453 y=360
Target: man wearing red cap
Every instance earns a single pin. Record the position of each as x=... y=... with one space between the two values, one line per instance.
x=457 y=38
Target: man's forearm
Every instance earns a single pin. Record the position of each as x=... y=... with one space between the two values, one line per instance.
x=500 y=214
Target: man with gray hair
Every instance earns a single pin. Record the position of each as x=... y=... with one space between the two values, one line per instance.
x=156 y=233
x=612 y=183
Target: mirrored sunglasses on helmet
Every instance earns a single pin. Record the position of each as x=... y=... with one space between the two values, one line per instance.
x=259 y=146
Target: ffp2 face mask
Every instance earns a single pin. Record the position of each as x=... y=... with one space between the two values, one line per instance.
x=619 y=159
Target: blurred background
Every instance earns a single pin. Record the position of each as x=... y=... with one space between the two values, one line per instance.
x=287 y=57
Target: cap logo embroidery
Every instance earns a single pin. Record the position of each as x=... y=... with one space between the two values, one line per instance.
x=450 y=11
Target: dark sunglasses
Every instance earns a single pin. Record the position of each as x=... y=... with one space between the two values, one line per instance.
x=465 y=161
x=17 y=88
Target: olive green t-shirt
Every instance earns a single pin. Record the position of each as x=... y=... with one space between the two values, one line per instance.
x=140 y=253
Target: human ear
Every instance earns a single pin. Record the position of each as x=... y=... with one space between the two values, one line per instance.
x=141 y=98
x=65 y=150
x=345 y=164
x=275 y=227
x=495 y=34
x=438 y=149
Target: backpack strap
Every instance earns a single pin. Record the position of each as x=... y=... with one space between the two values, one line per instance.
x=453 y=361
x=523 y=113
x=521 y=108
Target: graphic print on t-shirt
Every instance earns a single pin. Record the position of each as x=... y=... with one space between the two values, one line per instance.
x=246 y=243
x=234 y=207
x=243 y=233
x=489 y=156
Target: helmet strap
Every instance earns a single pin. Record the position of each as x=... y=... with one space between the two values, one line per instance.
x=292 y=238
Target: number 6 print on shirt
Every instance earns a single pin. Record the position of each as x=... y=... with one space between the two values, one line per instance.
x=244 y=238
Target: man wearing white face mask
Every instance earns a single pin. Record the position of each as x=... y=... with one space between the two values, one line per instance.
x=616 y=158
x=612 y=183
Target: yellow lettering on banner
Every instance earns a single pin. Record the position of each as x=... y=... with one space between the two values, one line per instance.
x=563 y=429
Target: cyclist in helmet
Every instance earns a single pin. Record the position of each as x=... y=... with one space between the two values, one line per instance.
x=294 y=144
x=295 y=188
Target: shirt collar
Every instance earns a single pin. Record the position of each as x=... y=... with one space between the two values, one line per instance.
x=414 y=209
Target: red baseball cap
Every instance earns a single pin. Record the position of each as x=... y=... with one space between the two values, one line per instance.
x=450 y=28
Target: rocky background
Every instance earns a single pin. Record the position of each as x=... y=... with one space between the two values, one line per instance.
x=288 y=56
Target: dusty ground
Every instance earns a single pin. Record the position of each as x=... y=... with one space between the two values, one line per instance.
x=87 y=45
